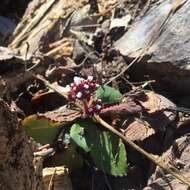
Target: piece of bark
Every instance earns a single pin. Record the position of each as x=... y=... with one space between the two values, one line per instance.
x=18 y=168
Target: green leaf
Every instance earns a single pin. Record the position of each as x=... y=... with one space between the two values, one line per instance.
x=41 y=130
x=108 y=94
x=77 y=134
x=106 y=149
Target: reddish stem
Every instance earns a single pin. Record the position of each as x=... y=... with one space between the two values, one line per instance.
x=85 y=108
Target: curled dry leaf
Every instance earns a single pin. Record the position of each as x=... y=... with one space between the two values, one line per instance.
x=156 y=105
x=44 y=127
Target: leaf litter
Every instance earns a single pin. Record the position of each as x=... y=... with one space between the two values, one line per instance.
x=78 y=41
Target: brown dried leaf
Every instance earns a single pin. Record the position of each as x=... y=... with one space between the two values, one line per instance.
x=139 y=130
x=156 y=102
x=63 y=115
x=122 y=109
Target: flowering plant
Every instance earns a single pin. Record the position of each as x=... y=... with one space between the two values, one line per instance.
x=83 y=90
x=88 y=95
x=105 y=149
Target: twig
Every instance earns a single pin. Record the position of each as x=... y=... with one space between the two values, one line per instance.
x=87 y=26
x=124 y=70
x=50 y=186
x=50 y=86
x=157 y=160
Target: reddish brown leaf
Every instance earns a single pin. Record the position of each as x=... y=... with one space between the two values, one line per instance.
x=63 y=114
x=121 y=110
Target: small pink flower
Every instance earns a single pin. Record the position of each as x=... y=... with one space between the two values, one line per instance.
x=83 y=90
x=98 y=107
x=79 y=95
x=90 y=78
x=86 y=86
x=90 y=110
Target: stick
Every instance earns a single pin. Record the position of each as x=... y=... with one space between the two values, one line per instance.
x=40 y=77
x=50 y=186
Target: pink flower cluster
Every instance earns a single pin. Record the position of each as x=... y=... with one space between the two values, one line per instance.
x=95 y=107
x=83 y=90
